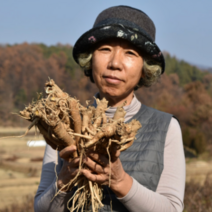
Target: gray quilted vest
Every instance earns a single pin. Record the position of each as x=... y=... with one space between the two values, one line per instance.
x=144 y=159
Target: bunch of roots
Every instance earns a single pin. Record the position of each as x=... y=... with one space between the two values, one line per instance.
x=64 y=121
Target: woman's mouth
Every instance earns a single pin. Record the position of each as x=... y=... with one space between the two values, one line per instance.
x=112 y=79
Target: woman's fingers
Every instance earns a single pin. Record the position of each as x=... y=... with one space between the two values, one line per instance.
x=104 y=159
x=67 y=152
x=74 y=162
x=99 y=158
x=70 y=168
x=114 y=152
x=99 y=178
x=67 y=173
x=95 y=167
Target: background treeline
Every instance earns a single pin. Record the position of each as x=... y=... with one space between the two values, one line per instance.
x=184 y=90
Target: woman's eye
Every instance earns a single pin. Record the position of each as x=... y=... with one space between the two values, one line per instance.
x=105 y=49
x=131 y=53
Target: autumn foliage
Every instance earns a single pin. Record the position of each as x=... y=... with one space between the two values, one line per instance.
x=185 y=91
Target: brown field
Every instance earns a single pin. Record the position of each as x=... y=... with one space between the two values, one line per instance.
x=20 y=167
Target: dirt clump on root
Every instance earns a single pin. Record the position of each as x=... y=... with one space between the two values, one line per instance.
x=63 y=121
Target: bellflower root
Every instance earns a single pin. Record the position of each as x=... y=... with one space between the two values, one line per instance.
x=63 y=121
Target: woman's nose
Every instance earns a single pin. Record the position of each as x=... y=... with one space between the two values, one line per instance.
x=116 y=60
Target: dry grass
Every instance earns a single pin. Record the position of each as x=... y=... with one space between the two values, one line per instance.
x=20 y=169
x=197 y=170
x=198 y=197
x=26 y=206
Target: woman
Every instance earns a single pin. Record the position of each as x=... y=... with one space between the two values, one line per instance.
x=119 y=55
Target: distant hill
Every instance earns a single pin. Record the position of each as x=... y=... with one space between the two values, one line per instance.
x=184 y=90
x=203 y=68
x=171 y=59
x=186 y=72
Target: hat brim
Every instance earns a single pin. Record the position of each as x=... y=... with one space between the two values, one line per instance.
x=135 y=36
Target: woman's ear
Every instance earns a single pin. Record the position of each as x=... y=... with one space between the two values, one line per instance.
x=88 y=73
x=91 y=76
x=142 y=72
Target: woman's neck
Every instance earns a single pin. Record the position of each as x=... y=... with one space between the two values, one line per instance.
x=131 y=109
x=117 y=101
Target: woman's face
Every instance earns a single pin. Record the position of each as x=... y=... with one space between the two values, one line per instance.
x=117 y=69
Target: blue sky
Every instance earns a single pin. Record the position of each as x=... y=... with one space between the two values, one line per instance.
x=184 y=27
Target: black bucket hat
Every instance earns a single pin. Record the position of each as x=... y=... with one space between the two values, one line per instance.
x=123 y=22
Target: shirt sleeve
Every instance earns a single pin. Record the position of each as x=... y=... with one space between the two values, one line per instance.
x=170 y=191
x=45 y=199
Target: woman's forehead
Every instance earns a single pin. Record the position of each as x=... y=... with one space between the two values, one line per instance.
x=116 y=42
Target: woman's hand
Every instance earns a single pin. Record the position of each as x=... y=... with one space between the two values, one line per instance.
x=100 y=170
x=70 y=166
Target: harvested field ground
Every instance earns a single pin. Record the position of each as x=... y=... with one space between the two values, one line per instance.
x=197 y=170
x=20 y=167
